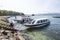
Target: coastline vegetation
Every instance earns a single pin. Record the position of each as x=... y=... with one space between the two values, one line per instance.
x=10 y=13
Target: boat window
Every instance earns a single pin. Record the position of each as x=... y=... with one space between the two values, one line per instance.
x=33 y=22
x=43 y=20
x=46 y=19
x=39 y=21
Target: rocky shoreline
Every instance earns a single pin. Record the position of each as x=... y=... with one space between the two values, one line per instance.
x=8 y=33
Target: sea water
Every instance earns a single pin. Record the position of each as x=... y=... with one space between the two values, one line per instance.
x=50 y=32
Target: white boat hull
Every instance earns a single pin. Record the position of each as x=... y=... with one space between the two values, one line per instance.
x=37 y=25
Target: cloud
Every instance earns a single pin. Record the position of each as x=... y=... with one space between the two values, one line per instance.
x=31 y=6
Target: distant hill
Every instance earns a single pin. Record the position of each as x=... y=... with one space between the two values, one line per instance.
x=52 y=14
x=9 y=13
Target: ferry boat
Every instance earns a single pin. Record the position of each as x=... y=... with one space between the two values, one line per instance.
x=38 y=22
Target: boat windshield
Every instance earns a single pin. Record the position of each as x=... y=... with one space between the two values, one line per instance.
x=33 y=22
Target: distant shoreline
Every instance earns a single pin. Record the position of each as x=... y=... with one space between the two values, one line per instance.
x=10 y=13
x=56 y=17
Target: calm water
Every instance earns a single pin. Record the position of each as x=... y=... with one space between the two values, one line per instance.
x=50 y=32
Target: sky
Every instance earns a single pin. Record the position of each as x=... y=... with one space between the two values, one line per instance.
x=31 y=6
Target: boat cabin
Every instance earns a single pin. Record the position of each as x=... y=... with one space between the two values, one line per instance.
x=38 y=21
